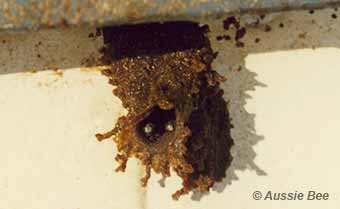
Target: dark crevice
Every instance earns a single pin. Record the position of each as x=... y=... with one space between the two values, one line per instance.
x=158 y=122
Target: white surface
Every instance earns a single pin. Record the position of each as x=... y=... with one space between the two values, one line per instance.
x=49 y=156
x=299 y=115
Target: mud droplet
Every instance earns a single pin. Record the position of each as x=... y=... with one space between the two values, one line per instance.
x=240 y=33
x=231 y=21
x=267 y=28
x=224 y=37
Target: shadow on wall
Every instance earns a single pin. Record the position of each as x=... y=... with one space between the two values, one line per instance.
x=69 y=48
x=243 y=132
x=239 y=36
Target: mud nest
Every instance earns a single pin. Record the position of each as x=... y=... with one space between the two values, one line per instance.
x=177 y=118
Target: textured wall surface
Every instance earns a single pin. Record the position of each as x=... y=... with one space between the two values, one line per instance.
x=23 y=14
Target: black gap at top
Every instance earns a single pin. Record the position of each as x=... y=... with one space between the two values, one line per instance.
x=152 y=39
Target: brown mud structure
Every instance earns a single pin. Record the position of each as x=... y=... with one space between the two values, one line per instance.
x=177 y=118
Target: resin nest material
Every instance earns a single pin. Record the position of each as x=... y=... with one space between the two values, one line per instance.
x=177 y=118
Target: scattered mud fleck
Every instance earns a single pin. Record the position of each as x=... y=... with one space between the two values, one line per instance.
x=96 y=34
x=177 y=118
x=239 y=44
x=240 y=33
x=267 y=28
x=239 y=68
x=223 y=37
x=302 y=35
x=231 y=21
x=38 y=44
x=91 y=35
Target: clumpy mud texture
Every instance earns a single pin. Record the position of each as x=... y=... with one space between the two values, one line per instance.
x=177 y=118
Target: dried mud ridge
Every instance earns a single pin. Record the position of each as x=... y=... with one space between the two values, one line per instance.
x=177 y=118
